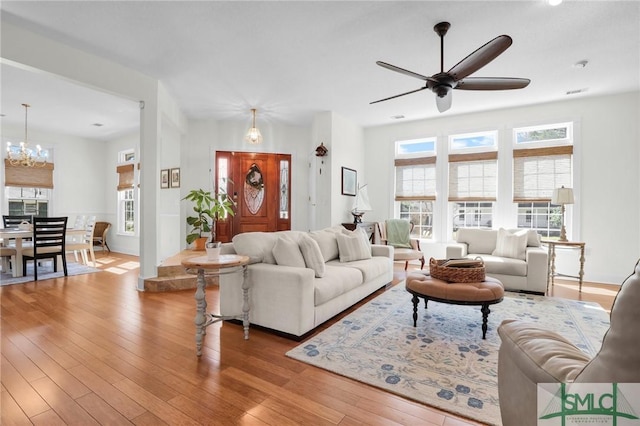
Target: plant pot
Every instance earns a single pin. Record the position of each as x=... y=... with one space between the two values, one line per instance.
x=213 y=250
x=199 y=244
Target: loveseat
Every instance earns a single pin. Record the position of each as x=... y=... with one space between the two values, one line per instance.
x=515 y=257
x=298 y=280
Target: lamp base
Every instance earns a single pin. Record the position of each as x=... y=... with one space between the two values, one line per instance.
x=357 y=217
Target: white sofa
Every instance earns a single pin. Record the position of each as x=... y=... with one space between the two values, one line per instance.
x=515 y=257
x=298 y=280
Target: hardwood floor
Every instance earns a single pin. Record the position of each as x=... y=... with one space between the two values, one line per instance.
x=91 y=349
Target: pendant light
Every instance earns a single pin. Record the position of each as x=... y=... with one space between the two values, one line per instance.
x=253 y=135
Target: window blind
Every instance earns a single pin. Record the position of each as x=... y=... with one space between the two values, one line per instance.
x=415 y=179
x=28 y=177
x=473 y=177
x=125 y=176
x=537 y=172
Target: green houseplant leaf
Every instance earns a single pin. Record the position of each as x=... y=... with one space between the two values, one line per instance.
x=208 y=208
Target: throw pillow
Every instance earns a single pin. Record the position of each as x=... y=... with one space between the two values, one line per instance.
x=511 y=245
x=312 y=255
x=353 y=245
x=326 y=239
x=287 y=253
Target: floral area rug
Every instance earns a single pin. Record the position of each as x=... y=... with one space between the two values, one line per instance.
x=45 y=272
x=443 y=362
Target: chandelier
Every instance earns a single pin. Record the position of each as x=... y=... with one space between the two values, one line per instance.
x=22 y=155
x=253 y=135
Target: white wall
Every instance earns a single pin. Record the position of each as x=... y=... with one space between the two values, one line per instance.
x=207 y=136
x=78 y=174
x=607 y=207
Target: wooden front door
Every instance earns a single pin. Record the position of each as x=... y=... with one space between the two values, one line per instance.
x=259 y=184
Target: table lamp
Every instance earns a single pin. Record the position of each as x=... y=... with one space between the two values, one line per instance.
x=561 y=197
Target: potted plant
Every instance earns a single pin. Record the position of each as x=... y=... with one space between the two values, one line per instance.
x=208 y=209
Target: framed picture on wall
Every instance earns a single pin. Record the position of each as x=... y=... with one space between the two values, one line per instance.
x=175 y=178
x=349 y=179
x=164 y=178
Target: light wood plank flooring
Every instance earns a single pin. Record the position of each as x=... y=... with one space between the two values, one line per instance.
x=90 y=349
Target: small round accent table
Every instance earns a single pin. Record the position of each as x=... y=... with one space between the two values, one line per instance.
x=225 y=264
x=485 y=293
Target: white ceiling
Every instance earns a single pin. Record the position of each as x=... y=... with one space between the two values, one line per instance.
x=291 y=60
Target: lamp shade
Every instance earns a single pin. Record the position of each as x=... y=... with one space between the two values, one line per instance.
x=562 y=196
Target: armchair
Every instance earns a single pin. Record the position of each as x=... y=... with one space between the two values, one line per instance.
x=530 y=355
x=397 y=233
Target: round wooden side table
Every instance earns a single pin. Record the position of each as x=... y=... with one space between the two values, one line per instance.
x=225 y=264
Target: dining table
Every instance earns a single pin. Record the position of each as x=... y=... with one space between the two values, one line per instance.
x=18 y=235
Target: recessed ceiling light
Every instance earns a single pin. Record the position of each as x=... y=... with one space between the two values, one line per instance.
x=554 y=2
x=397 y=117
x=581 y=64
x=576 y=91
x=97 y=124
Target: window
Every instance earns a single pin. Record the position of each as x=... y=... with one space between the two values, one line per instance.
x=543 y=217
x=468 y=214
x=420 y=213
x=415 y=191
x=127 y=211
x=542 y=162
x=473 y=179
x=127 y=194
x=28 y=201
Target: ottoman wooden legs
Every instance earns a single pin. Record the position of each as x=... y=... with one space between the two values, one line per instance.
x=481 y=294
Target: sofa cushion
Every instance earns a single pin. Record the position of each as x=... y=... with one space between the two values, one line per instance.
x=480 y=241
x=312 y=257
x=336 y=281
x=504 y=265
x=511 y=245
x=353 y=245
x=370 y=268
x=287 y=252
x=327 y=242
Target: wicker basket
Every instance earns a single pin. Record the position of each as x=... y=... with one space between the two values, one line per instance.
x=455 y=274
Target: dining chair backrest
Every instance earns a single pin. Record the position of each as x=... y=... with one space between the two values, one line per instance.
x=12 y=221
x=89 y=227
x=49 y=233
x=81 y=220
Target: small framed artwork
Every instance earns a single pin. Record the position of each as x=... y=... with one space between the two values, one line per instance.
x=175 y=178
x=349 y=179
x=164 y=178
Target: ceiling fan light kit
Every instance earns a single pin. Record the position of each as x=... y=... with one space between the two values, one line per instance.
x=457 y=77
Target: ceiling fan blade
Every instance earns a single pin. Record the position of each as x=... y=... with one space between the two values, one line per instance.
x=405 y=72
x=492 y=83
x=444 y=103
x=397 y=96
x=480 y=57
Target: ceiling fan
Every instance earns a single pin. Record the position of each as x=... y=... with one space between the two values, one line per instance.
x=457 y=77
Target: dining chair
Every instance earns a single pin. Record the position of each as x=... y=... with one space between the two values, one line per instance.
x=12 y=221
x=8 y=255
x=86 y=242
x=79 y=223
x=100 y=235
x=49 y=239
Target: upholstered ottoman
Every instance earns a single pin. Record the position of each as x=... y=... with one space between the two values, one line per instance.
x=485 y=293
